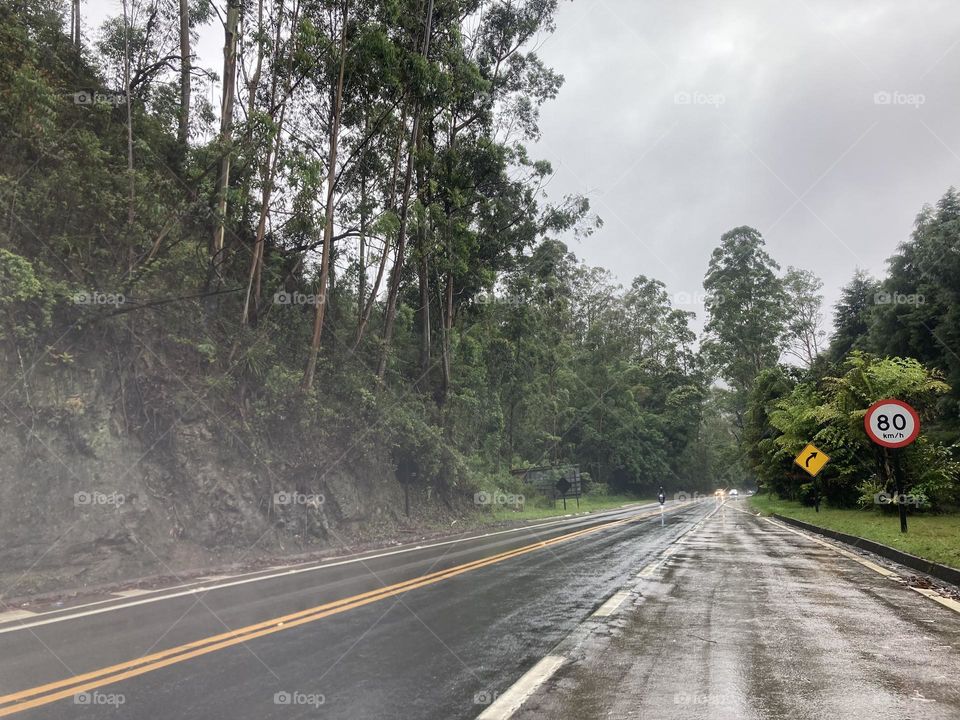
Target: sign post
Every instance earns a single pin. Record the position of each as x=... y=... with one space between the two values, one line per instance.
x=892 y=425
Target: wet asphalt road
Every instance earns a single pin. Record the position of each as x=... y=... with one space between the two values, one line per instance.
x=748 y=621
x=437 y=649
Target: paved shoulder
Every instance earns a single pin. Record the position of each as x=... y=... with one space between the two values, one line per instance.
x=748 y=620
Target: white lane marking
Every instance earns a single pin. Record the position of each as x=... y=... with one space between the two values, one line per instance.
x=132 y=593
x=853 y=556
x=507 y=704
x=15 y=615
x=615 y=600
x=296 y=571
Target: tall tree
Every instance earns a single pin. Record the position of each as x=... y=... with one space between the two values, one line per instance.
x=852 y=315
x=183 y=127
x=746 y=309
x=804 y=332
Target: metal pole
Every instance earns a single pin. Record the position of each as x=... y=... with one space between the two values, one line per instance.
x=900 y=486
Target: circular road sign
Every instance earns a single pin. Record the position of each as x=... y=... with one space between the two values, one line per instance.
x=892 y=423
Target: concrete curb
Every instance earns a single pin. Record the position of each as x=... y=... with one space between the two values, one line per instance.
x=941 y=572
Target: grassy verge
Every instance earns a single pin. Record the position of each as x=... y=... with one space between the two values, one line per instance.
x=587 y=504
x=935 y=537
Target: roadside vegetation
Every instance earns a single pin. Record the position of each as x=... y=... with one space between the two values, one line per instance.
x=348 y=281
x=932 y=536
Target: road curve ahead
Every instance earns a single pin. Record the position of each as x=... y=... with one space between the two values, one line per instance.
x=430 y=632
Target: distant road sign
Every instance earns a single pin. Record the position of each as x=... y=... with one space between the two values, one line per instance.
x=812 y=459
x=891 y=423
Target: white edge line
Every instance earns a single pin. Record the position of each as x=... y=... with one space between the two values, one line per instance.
x=937 y=597
x=259 y=578
x=612 y=603
x=505 y=705
x=932 y=594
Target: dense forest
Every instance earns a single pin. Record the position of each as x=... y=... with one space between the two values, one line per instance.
x=354 y=258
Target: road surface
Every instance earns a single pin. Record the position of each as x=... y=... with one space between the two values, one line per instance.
x=750 y=620
x=713 y=614
x=426 y=633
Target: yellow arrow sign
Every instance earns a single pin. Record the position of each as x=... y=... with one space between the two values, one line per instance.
x=812 y=459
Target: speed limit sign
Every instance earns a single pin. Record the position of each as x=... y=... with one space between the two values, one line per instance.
x=892 y=423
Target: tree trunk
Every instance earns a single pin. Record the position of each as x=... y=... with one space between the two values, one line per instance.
x=446 y=318
x=321 y=302
x=268 y=169
x=183 y=130
x=226 y=127
x=423 y=277
x=391 y=205
x=126 y=89
x=397 y=270
x=75 y=23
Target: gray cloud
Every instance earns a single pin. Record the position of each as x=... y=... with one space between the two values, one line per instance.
x=825 y=125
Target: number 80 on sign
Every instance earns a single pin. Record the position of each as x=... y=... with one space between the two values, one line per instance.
x=891 y=423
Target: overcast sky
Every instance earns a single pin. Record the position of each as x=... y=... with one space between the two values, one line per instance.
x=825 y=124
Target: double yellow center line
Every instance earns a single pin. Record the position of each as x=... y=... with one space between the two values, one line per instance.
x=51 y=692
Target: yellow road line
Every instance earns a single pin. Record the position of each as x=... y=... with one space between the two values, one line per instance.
x=51 y=692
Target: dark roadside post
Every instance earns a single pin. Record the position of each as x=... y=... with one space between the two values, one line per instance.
x=662 y=497
x=892 y=425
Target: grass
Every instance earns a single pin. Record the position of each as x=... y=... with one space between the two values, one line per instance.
x=592 y=503
x=934 y=537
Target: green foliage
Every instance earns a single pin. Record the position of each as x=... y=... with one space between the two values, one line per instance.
x=830 y=415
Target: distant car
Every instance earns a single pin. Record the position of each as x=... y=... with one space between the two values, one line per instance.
x=734 y=493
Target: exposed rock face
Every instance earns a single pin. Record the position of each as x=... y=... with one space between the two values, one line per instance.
x=84 y=501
